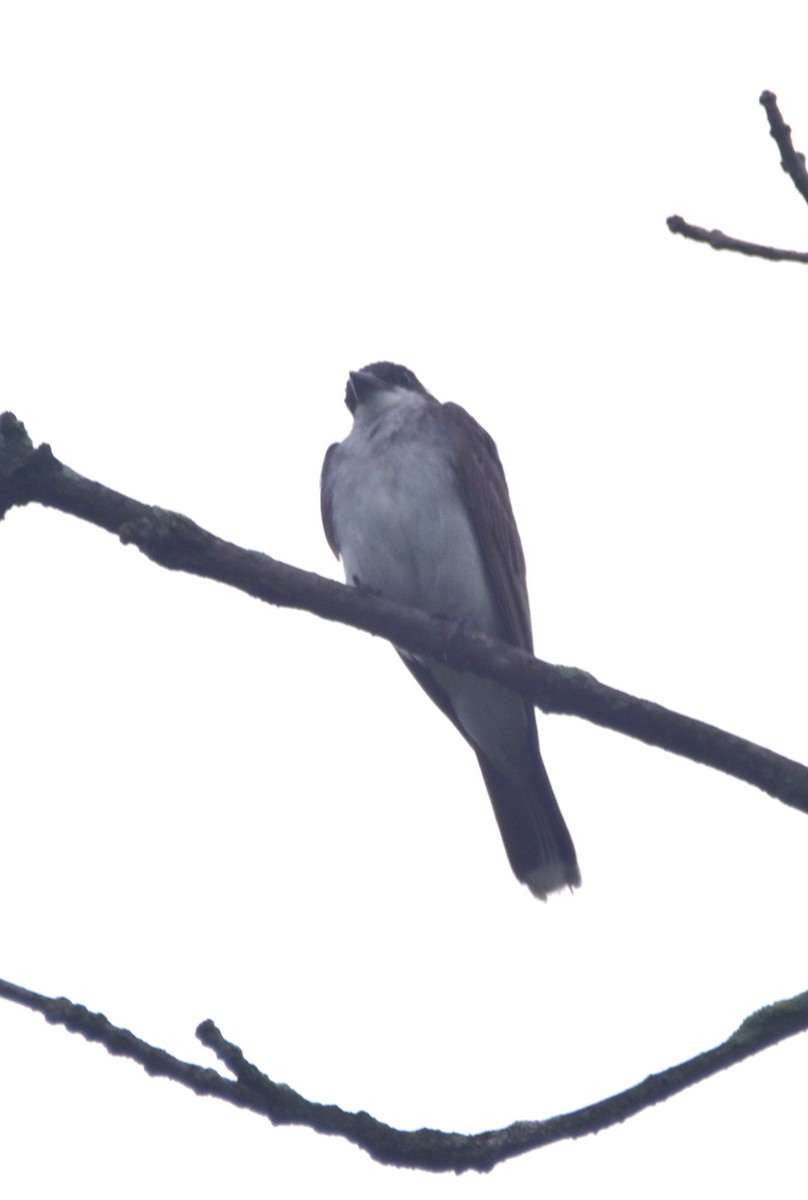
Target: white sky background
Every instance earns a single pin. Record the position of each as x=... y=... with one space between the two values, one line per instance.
x=211 y=808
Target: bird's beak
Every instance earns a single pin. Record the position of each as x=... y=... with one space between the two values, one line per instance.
x=360 y=385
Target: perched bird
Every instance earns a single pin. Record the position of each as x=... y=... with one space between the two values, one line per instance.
x=415 y=503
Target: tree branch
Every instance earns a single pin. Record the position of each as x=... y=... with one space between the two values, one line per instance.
x=29 y=475
x=722 y=241
x=424 y=1149
x=792 y=162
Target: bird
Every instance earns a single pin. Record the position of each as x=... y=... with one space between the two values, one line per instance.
x=415 y=503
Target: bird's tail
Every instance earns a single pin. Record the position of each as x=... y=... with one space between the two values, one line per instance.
x=537 y=841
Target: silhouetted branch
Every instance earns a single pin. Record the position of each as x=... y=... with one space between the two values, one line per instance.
x=425 y=1149
x=721 y=241
x=792 y=162
x=29 y=475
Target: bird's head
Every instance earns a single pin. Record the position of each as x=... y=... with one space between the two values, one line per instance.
x=382 y=381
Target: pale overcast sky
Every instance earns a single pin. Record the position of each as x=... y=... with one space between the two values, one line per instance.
x=211 y=808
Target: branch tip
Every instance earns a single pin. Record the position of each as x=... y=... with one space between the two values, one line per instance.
x=792 y=162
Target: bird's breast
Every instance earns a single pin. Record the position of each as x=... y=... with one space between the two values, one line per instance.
x=403 y=528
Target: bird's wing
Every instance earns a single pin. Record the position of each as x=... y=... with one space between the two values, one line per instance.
x=326 y=498
x=482 y=485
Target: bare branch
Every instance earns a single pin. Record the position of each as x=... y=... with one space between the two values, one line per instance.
x=424 y=1149
x=722 y=241
x=29 y=475
x=791 y=160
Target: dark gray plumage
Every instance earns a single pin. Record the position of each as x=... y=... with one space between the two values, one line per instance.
x=415 y=503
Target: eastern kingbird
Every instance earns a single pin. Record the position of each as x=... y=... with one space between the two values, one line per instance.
x=415 y=503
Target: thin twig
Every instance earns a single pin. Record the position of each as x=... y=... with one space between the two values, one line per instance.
x=722 y=241
x=791 y=160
